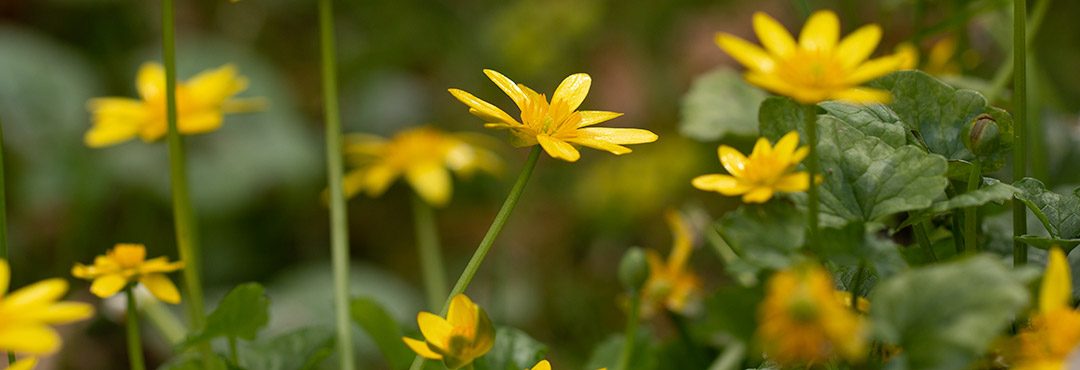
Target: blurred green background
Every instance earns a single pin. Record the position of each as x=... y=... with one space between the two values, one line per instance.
x=256 y=182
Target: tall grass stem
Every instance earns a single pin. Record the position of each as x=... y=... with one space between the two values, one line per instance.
x=430 y=250
x=134 y=341
x=1019 y=98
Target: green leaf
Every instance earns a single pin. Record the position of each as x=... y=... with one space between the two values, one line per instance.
x=993 y=191
x=513 y=350
x=857 y=244
x=874 y=120
x=1041 y=242
x=302 y=349
x=733 y=310
x=1059 y=214
x=241 y=314
x=940 y=113
x=764 y=236
x=778 y=116
x=945 y=316
x=194 y=361
x=608 y=352
x=383 y=330
x=720 y=103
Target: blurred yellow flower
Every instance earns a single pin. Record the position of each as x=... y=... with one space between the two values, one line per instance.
x=557 y=125
x=819 y=67
x=23 y=364
x=670 y=284
x=542 y=365
x=25 y=315
x=801 y=321
x=768 y=170
x=126 y=264
x=939 y=62
x=1054 y=331
x=844 y=297
x=423 y=155
x=201 y=105
x=465 y=334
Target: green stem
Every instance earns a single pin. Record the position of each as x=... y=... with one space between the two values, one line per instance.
x=489 y=239
x=923 y=237
x=431 y=259
x=631 y=331
x=166 y=323
x=813 y=167
x=234 y=355
x=1001 y=78
x=183 y=213
x=4 y=253
x=339 y=236
x=1020 y=117
x=135 y=352
x=971 y=216
x=697 y=358
x=856 y=285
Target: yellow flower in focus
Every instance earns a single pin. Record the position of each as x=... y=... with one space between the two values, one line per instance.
x=767 y=171
x=201 y=104
x=23 y=364
x=465 y=334
x=422 y=155
x=670 y=285
x=801 y=321
x=126 y=264
x=555 y=125
x=25 y=316
x=1054 y=331
x=819 y=67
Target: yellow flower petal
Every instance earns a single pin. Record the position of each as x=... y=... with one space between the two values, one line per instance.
x=572 y=91
x=60 y=313
x=161 y=287
x=875 y=68
x=210 y=89
x=463 y=312
x=379 y=177
x=787 y=145
x=1055 y=292
x=773 y=83
x=150 y=81
x=758 y=195
x=776 y=39
x=723 y=184
x=421 y=348
x=353 y=183
x=863 y=95
x=542 y=365
x=732 y=160
x=34 y=339
x=682 y=240
x=821 y=32
x=618 y=135
x=509 y=87
x=108 y=285
x=747 y=54
x=615 y=149
x=40 y=293
x=592 y=117
x=793 y=183
x=364 y=144
x=159 y=265
x=5 y=277
x=200 y=123
x=858 y=46
x=558 y=149
x=762 y=148
x=436 y=330
x=483 y=109
x=23 y=364
x=431 y=181
x=909 y=55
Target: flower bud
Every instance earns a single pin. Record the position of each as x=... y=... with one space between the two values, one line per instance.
x=633 y=269
x=982 y=136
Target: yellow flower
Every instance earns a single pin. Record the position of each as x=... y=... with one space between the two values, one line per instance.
x=23 y=364
x=670 y=284
x=126 y=264
x=556 y=125
x=201 y=104
x=768 y=170
x=802 y=322
x=939 y=62
x=464 y=335
x=421 y=154
x=545 y=365
x=1054 y=331
x=818 y=67
x=25 y=315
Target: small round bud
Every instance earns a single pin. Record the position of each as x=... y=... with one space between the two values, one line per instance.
x=633 y=269
x=982 y=136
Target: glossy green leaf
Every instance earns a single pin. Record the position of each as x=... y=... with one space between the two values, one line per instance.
x=241 y=314
x=992 y=191
x=1059 y=214
x=513 y=350
x=947 y=315
x=720 y=103
x=383 y=330
x=763 y=235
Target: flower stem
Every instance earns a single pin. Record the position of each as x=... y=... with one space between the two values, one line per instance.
x=339 y=235
x=489 y=239
x=3 y=219
x=971 y=216
x=431 y=259
x=813 y=167
x=135 y=352
x=631 y=331
x=233 y=353
x=1020 y=117
x=1001 y=78
x=183 y=213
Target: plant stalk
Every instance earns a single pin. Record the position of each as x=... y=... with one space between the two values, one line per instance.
x=134 y=343
x=813 y=167
x=1001 y=78
x=923 y=237
x=339 y=235
x=4 y=252
x=971 y=216
x=431 y=258
x=630 y=336
x=234 y=355
x=1020 y=117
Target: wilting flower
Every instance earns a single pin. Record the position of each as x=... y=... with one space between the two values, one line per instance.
x=27 y=313
x=201 y=105
x=126 y=264
x=422 y=155
x=768 y=170
x=818 y=67
x=1054 y=331
x=802 y=322
x=670 y=284
x=465 y=334
x=556 y=125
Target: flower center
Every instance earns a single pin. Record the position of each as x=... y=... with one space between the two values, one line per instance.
x=812 y=69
